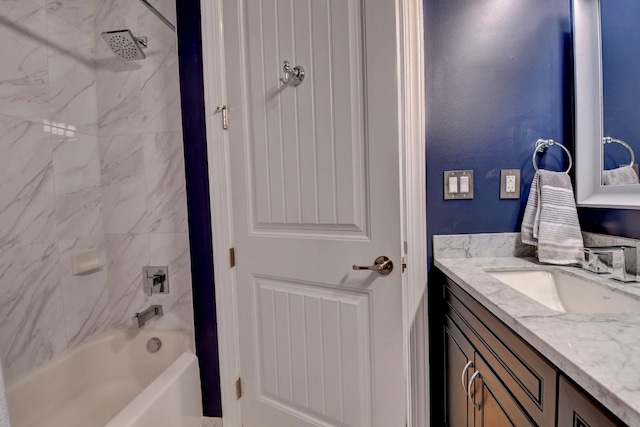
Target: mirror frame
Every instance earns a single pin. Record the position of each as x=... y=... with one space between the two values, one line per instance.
x=587 y=50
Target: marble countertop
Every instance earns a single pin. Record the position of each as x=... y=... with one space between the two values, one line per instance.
x=600 y=352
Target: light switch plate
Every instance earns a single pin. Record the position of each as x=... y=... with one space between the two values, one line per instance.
x=455 y=175
x=510 y=176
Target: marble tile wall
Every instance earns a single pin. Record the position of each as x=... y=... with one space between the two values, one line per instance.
x=142 y=164
x=91 y=158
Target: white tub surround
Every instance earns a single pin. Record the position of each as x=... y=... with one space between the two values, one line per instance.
x=172 y=399
x=92 y=159
x=598 y=351
x=211 y=422
x=4 y=408
x=113 y=377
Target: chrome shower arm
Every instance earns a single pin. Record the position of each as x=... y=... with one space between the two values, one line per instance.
x=159 y=15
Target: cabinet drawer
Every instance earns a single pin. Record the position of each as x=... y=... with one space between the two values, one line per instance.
x=524 y=372
x=576 y=408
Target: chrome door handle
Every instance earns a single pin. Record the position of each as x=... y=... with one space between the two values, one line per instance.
x=473 y=378
x=382 y=265
x=464 y=371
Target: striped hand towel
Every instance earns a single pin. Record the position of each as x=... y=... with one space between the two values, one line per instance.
x=623 y=175
x=551 y=220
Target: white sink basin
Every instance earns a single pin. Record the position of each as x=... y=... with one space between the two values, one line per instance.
x=564 y=292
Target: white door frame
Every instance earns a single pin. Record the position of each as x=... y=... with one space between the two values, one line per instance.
x=412 y=143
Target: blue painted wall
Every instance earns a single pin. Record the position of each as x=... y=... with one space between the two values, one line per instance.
x=498 y=77
x=621 y=77
x=197 y=185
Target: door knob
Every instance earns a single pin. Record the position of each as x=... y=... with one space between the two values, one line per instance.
x=382 y=265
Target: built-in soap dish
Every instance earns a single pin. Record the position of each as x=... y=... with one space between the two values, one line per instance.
x=85 y=262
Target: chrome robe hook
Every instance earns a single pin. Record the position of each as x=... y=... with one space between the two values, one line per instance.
x=293 y=75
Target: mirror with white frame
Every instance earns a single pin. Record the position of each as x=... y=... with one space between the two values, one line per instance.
x=597 y=101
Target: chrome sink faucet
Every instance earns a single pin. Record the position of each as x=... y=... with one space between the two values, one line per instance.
x=620 y=261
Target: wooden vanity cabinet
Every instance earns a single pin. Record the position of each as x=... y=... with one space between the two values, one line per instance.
x=515 y=385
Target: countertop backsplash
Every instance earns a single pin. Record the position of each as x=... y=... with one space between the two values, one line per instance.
x=510 y=245
x=481 y=246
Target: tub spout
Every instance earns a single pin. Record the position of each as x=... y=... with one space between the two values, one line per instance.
x=141 y=319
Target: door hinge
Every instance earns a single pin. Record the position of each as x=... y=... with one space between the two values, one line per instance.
x=404 y=264
x=239 y=388
x=225 y=116
x=232 y=257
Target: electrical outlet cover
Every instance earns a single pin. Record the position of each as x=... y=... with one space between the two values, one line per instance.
x=513 y=178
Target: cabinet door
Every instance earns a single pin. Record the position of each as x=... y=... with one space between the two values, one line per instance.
x=576 y=409
x=458 y=411
x=496 y=406
x=526 y=374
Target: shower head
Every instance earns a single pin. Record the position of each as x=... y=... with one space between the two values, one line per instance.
x=124 y=45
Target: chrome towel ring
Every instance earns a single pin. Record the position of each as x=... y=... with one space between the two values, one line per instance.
x=609 y=140
x=541 y=147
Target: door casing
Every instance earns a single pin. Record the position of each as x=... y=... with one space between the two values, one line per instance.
x=412 y=145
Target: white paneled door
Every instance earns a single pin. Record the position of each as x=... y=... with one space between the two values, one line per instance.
x=316 y=189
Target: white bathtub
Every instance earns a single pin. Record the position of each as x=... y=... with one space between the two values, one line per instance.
x=113 y=381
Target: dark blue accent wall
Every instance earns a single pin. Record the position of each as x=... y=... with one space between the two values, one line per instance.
x=498 y=77
x=621 y=77
x=617 y=222
x=197 y=184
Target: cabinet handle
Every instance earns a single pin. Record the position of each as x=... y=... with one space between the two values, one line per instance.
x=473 y=377
x=464 y=372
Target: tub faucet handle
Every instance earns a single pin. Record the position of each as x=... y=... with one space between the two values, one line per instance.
x=156 y=280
